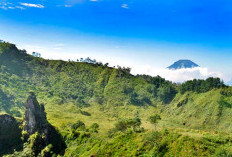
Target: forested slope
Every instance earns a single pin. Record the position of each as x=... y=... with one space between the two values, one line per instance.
x=80 y=83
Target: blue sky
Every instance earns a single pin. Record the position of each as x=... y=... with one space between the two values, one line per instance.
x=126 y=32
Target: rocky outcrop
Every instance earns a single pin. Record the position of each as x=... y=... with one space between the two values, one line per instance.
x=10 y=134
x=36 y=124
x=35 y=117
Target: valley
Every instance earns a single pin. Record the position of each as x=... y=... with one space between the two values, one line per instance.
x=105 y=111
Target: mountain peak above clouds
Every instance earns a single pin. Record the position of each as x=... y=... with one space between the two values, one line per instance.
x=183 y=64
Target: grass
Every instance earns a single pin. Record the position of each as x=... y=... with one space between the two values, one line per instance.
x=194 y=113
x=62 y=115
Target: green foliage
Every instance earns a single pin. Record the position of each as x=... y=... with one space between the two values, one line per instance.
x=78 y=125
x=165 y=143
x=78 y=131
x=10 y=135
x=47 y=151
x=155 y=118
x=166 y=93
x=223 y=152
x=201 y=85
x=94 y=127
x=37 y=143
x=124 y=124
x=157 y=81
x=46 y=144
x=227 y=91
x=84 y=113
x=82 y=83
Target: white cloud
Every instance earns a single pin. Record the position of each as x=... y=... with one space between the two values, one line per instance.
x=11 y=7
x=58 y=46
x=19 y=7
x=3 y=7
x=125 y=6
x=32 y=5
x=67 y=6
x=179 y=75
x=6 y=5
x=34 y=48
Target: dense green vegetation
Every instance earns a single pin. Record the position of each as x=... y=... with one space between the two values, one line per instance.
x=10 y=135
x=104 y=111
x=81 y=83
x=164 y=143
x=201 y=86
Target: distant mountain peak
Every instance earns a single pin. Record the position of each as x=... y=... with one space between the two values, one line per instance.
x=183 y=64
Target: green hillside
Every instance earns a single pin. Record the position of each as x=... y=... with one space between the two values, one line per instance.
x=84 y=101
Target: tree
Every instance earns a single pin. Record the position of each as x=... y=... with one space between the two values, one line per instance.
x=24 y=51
x=201 y=86
x=106 y=65
x=124 y=124
x=154 y=119
x=166 y=93
x=78 y=125
x=94 y=127
x=35 y=54
x=126 y=69
x=134 y=123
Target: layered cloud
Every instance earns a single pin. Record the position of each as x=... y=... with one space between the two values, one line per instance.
x=179 y=75
x=22 y=6
x=32 y=5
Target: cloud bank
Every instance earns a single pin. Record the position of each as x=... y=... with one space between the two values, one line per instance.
x=180 y=75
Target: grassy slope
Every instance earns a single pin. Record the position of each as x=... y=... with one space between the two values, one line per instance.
x=208 y=111
x=200 y=113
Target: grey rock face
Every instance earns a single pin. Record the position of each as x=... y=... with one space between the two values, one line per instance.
x=35 y=121
x=35 y=116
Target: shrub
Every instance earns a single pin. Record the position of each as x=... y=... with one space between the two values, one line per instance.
x=154 y=119
x=94 y=127
x=78 y=125
x=36 y=143
x=46 y=152
x=124 y=124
